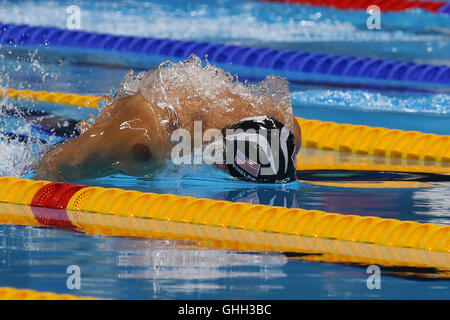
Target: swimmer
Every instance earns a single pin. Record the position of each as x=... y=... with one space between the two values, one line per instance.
x=132 y=133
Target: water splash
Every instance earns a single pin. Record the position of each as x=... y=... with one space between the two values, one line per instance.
x=215 y=89
x=206 y=91
x=18 y=158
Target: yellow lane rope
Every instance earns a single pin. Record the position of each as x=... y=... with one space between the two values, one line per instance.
x=379 y=142
x=315 y=159
x=301 y=222
x=346 y=138
x=258 y=218
x=53 y=97
x=7 y=293
x=322 y=250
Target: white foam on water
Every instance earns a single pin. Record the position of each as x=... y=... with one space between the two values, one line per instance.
x=215 y=90
x=17 y=158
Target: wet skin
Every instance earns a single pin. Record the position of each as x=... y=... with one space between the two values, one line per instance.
x=132 y=136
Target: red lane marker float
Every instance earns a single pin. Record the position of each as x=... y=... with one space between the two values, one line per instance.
x=388 y=5
x=50 y=202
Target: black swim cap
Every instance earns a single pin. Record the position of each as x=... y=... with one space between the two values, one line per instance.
x=260 y=149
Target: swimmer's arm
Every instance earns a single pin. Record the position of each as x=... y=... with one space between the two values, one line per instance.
x=103 y=149
x=84 y=157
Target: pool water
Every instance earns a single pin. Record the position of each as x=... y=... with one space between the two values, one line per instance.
x=124 y=267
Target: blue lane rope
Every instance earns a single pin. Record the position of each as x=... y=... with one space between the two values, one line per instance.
x=445 y=9
x=293 y=65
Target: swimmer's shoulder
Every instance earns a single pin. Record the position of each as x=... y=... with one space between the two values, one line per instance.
x=130 y=105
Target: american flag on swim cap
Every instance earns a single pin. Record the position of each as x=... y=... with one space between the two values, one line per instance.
x=244 y=163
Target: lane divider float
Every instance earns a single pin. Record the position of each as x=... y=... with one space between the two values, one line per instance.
x=7 y=293
x=53 y=97
x=224 y=214
x=375 y=141
x=296 y=66
x=310 y=159
x=385 y=5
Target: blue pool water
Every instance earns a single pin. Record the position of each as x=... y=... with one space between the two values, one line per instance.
x=127 y=268
x=123 y=268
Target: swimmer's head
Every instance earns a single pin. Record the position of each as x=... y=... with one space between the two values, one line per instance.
x=260 y=149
